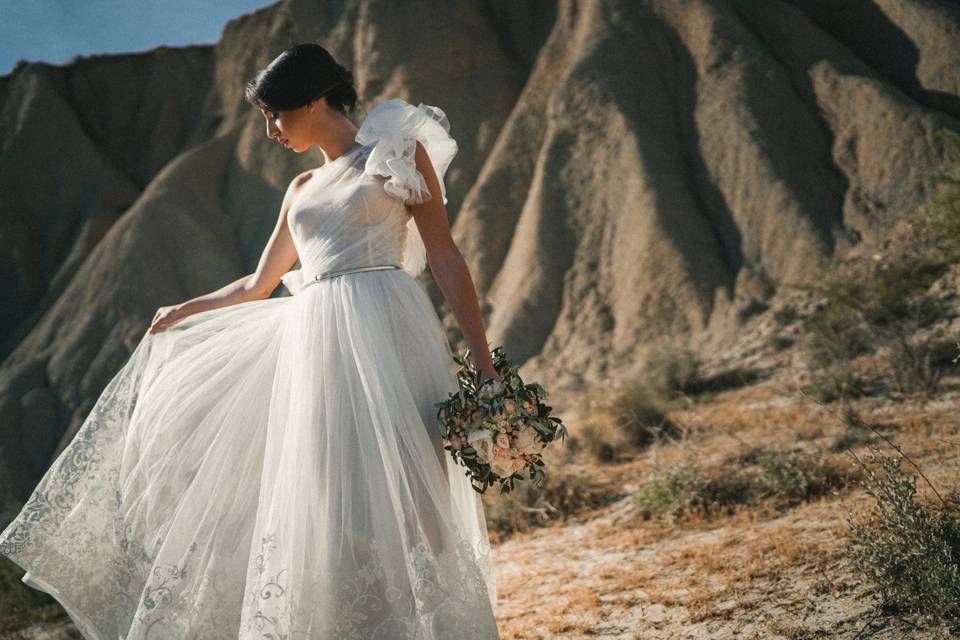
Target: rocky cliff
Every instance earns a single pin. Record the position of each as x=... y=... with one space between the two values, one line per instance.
x=670 y=164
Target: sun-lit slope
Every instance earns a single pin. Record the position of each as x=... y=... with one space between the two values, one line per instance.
x=669 y=165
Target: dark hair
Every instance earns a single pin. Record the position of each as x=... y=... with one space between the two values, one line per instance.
x=299 y=76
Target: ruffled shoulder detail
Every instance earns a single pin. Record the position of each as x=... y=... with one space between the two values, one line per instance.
x=393 y=127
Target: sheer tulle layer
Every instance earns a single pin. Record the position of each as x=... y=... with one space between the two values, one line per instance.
x=269 y=470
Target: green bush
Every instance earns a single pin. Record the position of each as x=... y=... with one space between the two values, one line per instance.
x=909 y=551
x=937 y=222
x=638 y=413
x=784 y=478
x=914 y=367
x=672 y=492
x=672 y=370
x=863 y=312
x=837 y=381
x=792 y=476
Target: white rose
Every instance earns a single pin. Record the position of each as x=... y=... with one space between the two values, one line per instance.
x=503 y=467
x=503 y=440
x=490 y=389
x=482 y=441
x=527 y=440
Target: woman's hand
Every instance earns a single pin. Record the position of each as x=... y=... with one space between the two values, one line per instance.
x=487 y=373
x=165 y=316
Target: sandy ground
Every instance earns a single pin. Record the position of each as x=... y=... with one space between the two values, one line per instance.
x=758 y=573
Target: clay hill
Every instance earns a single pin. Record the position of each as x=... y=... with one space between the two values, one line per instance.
x=629 y=173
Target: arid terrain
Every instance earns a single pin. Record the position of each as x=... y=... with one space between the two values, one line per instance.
x=586 y=558
x=761 y=572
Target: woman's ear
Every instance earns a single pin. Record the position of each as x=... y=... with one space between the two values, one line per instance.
x=317 y=104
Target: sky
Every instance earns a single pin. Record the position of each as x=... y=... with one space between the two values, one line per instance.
x=56 y=30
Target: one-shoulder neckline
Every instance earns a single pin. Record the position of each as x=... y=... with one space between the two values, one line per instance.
x=317 y=171
x=349 y=152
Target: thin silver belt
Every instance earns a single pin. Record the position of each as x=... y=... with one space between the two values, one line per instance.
x=334 y=274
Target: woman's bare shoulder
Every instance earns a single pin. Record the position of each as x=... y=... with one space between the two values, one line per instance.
x=295 y=188
x=300 y=180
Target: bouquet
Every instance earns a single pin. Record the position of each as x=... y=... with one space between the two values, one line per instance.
x=497 y=429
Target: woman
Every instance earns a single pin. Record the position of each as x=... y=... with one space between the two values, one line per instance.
x=272 y=467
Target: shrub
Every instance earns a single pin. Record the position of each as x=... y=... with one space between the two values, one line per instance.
x=786 y=315
x=837 y=381
x=670 y=493
x=672 y=370
x=783 y=478
x=914 y=367
x=937 y=222
x=792 y=476
x=594 y=440
x=563 y=495
x=911 y=552
x=833 y=338
x=865 y=311
x=638 y=414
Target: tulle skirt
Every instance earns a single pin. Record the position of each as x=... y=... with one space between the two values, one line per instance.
x=272 y=469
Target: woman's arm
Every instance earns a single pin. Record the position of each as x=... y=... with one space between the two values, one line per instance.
x=449 y=268
x=277 y=258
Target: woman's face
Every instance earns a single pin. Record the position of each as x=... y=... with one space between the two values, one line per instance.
x=288 y=128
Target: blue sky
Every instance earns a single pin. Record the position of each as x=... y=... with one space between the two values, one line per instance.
x=56 y=30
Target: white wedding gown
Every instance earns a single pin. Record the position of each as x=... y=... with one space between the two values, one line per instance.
x=273 y=469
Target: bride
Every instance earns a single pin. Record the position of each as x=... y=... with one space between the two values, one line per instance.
x=272 y=467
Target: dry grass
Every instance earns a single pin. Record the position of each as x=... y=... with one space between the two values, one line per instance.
x=762 y=571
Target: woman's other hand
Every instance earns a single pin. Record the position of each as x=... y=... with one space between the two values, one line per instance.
x=165 y=316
